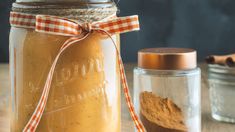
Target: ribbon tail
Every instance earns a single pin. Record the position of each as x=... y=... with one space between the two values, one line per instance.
x=37 y=115
x=130 y=105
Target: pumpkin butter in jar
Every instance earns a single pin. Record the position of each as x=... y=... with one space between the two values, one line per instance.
x=84 y=93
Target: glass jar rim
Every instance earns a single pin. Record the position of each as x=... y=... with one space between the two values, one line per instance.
x=158 y=72
x=215 y=68
x=61 y=5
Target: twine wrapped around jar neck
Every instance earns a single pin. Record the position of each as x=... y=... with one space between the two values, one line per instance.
x=87 y=12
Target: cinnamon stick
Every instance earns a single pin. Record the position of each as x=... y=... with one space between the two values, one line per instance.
x=228 y=60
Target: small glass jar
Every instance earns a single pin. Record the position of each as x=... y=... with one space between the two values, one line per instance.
x=167 y=90
x=222 y=92
x=85 y=90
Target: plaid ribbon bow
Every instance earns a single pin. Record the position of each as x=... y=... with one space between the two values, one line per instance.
x=78 y=31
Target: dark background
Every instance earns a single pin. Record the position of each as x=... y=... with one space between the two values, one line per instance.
x=205 y=25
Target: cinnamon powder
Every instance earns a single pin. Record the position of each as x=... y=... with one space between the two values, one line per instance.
x=160 y=114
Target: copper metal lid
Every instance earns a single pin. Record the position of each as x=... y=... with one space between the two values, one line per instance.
x=167 y=58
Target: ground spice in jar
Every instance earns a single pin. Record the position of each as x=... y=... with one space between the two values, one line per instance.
x=160 y=114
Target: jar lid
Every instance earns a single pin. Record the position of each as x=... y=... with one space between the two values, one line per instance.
x=167 y=58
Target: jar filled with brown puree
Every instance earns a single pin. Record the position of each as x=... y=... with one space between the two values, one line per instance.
x=84 y=94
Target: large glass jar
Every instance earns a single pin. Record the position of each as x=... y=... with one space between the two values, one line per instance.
x=167 y=90
x=84 y=95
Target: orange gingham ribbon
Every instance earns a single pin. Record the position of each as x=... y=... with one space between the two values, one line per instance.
x=78 y=31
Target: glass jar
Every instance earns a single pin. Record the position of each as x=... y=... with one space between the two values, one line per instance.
x=85 y=90
x=167 y=90
x=222 y=92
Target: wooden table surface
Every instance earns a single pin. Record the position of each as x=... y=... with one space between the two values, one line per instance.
x=208 y=124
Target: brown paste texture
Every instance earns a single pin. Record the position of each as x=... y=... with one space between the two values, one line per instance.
x=79 y=99
x=160 y=114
